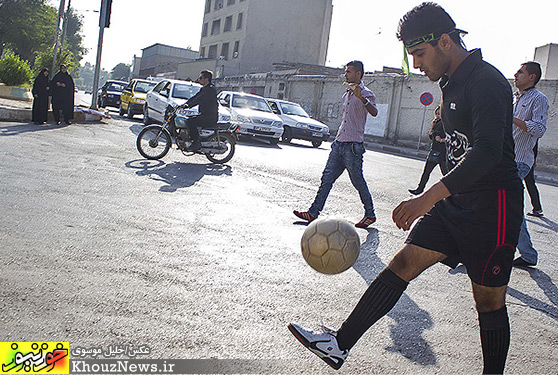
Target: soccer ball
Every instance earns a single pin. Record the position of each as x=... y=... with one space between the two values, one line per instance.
x=330 y=246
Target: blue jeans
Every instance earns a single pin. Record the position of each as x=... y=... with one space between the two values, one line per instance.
x=343 y=155
x=524 y=245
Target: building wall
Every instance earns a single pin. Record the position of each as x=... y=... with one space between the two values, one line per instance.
x=272 y=31
x=402 y=119
x=547 y=56
x=161 y=58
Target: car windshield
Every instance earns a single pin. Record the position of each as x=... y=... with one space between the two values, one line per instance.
x=293 y=109
x=145 y=86
x=116 y=87
x=250 y=102
x=182 y=91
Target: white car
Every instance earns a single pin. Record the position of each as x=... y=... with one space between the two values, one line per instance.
x=253 y=115
x=298 y=124
x=173 y=92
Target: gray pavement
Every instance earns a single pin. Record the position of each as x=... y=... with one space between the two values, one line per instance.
x=101 y=247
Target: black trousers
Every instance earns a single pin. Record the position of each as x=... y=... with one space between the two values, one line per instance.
x=531 y=186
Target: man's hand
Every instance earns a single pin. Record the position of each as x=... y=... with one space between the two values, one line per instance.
x=357 y=91
x=408 y=211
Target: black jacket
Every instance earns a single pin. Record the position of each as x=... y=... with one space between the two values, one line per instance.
x=477 y=116
x=206 y=99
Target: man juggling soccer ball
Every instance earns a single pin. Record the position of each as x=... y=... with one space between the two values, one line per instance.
x=471 y=216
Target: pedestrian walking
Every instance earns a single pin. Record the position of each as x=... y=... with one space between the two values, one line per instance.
x=347 y=149
x=472 y=215
x=437 y=154
x=62 y=91
x=530 y=112
x=40 y=93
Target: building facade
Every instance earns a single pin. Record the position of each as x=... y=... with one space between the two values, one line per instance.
x=161 y=59
x=547 y=56
x=249 y=36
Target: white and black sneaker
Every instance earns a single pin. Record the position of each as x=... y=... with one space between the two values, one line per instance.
x=323 y=344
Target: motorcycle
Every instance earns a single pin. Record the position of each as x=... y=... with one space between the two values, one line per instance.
x=217 y=141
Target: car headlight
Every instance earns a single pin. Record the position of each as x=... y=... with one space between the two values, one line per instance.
x=277 y=124
x=224 y=118
x=138 y=100
x=240 y=118
x=301 y=125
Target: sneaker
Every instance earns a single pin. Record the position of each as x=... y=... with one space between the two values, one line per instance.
x=366 y=221
x=304 y=216
x=415 y=192
x=520 y=262
x=535 y=213
x=323 y=344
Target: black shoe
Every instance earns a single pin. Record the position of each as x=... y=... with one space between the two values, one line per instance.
x=195 y=146
x=520 y=262
x=535 y=213
x=68 y=122
x=415 y=192
x=57 y=122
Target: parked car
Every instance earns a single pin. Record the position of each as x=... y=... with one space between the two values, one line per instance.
x=133 y=97
x=109 y=94
x=297 y=124
x=174 y=93
x=253 y=115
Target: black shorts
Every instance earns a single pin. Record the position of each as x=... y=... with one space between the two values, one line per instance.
x=479 y=229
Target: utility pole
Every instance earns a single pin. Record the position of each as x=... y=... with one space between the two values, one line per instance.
x=65 y=27
x=57 y=36
x=104 y=21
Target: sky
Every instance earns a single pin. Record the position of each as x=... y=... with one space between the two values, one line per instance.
x=506 y=31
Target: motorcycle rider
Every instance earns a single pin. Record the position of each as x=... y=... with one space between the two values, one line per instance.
x=208 y=108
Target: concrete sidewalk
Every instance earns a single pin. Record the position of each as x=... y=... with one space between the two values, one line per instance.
x=20 y=111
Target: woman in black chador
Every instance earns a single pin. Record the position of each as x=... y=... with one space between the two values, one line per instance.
x=62 y=91
x=40 y=98
x=437 y=154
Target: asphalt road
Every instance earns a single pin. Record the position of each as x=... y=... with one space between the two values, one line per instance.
x=100 y=247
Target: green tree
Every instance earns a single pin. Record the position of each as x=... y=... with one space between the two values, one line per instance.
x=27 y=27
x=13 y=70
x=120 y=72
x=66 y=57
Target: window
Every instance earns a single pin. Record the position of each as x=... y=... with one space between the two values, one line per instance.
x=216 y=27
x=218 y=4
x=207 y=6
x=204 y=29
x=282 y=86
x=225 y=51
x=239 y=21
x=235 y=50
x=202 y=52
x=230 y=2
x=212 y=54
x=228 y=24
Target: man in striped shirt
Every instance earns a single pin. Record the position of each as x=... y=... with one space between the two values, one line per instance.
x=530 y=112
x=348 y=148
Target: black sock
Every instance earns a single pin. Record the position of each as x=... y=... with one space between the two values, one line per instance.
x=377 y=301
x=495 y=340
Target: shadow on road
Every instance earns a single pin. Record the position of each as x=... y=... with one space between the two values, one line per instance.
x=546 y=223
x=177 y=175
x=29 y=128
x=549 y=289
x=255 y=142
x=410 y=320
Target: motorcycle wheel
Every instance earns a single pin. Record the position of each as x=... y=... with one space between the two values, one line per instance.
x=229 y=142
x=153 y=142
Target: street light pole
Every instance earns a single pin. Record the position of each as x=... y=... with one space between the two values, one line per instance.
x=99 y=50
x=65 y=27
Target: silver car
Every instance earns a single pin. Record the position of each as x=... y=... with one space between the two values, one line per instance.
x=253 y=115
